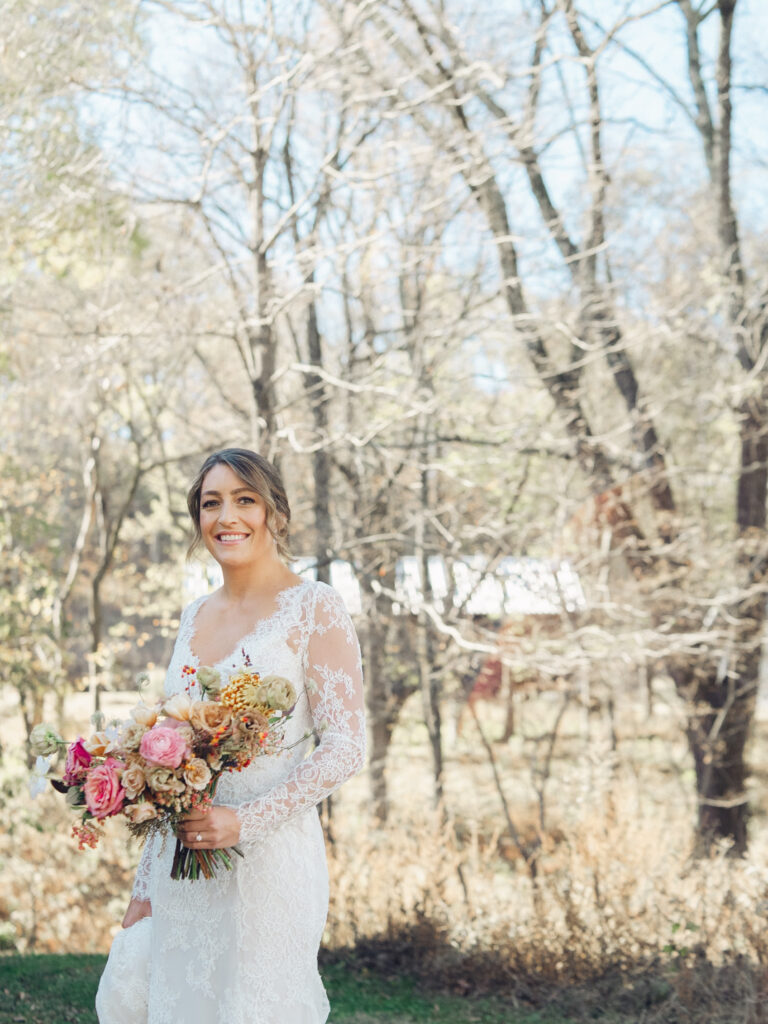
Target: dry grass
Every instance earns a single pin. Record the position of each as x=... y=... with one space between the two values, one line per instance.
x=619 y=923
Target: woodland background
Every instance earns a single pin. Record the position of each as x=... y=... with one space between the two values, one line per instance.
x=488 y=282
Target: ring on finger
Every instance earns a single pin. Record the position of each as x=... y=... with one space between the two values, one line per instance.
x=198 y=838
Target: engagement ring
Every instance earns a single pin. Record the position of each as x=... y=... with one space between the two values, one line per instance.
x=198 y=838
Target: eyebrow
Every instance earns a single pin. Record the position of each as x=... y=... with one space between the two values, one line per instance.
x=237 y=490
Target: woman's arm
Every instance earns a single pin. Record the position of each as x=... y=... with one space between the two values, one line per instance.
x=335 y=691
x=140 y=905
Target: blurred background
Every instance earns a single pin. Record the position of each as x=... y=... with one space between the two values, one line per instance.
x=488 y=282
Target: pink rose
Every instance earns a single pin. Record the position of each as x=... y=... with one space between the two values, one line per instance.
x=78 y=760
x=164 y=746
x=103 y=793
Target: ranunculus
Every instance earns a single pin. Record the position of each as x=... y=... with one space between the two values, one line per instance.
x=143 y=811
x=133 y=780
x=276 y=692
x=208 y=716
x=78 y=759
x=197 y=774
x=144 y=715
x=103 y=793
x=163 y=780
x=130 y=735
x=44 y=740
x=163 y=746
x=178 y=707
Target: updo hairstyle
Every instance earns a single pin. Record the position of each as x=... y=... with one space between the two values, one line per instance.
x=262 y=477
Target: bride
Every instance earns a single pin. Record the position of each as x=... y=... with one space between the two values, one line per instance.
x=241 y=948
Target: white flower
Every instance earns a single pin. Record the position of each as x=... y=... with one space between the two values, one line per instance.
x=38 y=780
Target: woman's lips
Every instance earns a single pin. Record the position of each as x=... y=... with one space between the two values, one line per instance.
x=231 y=538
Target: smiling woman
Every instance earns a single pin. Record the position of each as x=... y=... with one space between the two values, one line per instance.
x=242 y=946
x=255 y=477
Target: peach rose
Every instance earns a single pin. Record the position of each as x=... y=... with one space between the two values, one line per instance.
x=133 y=780
x=144 y=716
x=163 y=746
x=103 y=793
x=144 y=811
x=197 y=774
x=98 y=744
x=208 y=716
x=178 y=707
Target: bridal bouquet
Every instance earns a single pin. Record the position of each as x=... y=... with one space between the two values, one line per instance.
x=166 y=760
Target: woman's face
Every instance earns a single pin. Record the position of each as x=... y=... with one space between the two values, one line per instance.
x=233 y=518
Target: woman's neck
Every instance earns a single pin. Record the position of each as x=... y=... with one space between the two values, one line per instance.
x=266 y=577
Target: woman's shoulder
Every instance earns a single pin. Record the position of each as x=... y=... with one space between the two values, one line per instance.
x=189 y=610
x=328 y=611
x=323 y=593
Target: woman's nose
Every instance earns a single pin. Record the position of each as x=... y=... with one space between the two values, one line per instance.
x=226 y=512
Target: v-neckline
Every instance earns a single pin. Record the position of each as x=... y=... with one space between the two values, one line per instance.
x=279 y=605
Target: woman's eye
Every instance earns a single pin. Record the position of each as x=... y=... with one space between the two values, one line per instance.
x=209 y=504
x=248 y=500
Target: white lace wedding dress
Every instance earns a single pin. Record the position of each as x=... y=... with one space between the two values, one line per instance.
x=242 y=947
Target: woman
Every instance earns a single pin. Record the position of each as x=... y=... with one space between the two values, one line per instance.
x=241 y=948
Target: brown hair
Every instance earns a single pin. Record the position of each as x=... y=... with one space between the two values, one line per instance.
x=262 y=477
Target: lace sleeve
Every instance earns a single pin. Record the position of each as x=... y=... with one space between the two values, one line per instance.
x=144 y=871
x=335 y=691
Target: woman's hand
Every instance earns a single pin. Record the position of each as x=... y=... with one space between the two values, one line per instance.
x=136 y=910
x=215 y=828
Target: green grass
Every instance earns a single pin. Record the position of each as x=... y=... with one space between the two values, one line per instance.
x=49 y=989
x=60 y=990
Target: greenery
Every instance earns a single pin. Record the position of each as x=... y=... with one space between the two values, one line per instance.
x=50 y=989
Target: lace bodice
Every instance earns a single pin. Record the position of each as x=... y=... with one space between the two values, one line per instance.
x=310 y=639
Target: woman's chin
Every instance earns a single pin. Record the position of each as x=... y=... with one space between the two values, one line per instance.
x=231 y=553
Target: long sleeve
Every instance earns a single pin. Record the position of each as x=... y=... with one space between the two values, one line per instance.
x=334 y=689
x=144 y=870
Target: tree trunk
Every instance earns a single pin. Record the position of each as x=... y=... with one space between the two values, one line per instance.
x=321 y=463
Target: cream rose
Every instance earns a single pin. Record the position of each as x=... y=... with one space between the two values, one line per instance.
x=209 y=679
x=197 y=774
x=276 y=692
x=163 y=780
x=133 y=780
x=144 y=811
x=130 y=736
